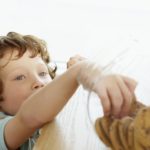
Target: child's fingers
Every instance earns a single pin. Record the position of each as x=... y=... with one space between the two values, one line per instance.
x=105 y=101
x=127 y=97
x=116 y=99
x=131 y=83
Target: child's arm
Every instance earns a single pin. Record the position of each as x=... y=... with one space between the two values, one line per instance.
x=44 y=105
x=41 y=108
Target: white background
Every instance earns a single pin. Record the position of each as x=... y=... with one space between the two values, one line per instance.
x=97 y=29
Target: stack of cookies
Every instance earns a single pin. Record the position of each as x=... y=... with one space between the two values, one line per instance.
x=128 y=133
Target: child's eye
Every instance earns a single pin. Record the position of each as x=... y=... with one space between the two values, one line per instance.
x=43 y=74
x=20 y=77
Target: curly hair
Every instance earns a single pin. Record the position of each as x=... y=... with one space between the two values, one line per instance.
x=15 y=41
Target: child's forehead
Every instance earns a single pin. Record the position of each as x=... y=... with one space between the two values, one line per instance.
x=10 y=59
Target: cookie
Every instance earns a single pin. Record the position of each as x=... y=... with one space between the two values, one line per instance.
x=123 y=128
x=129 y=133
x=135 y=107
x=100 y=132
x=106 y=123
x=130 y=136
x=142 y=128
x=114 y=136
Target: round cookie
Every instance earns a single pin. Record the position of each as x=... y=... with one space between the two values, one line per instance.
x=142 y=128
x=106 y=123
x=101 y=133
x=130 y=136
x=114 y=136
x=123 y=128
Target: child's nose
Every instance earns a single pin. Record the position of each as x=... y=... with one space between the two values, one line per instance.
x=37 y=84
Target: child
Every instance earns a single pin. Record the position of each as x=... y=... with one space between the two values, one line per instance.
x=29 y=98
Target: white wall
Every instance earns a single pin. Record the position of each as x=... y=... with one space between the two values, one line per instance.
x=97 y=29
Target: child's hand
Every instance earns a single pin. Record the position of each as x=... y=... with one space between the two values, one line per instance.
x=116 y=94
x=115 y=91
x=75 y=59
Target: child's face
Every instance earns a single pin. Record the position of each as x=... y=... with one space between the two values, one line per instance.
x=21 y=78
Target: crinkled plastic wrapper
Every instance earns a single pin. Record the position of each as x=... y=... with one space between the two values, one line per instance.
x=132 y=63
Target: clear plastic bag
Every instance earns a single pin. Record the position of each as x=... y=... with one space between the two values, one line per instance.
x=132 y=63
